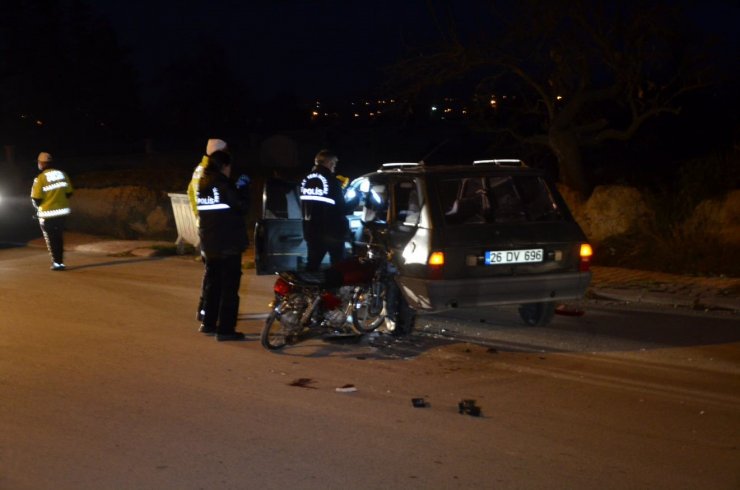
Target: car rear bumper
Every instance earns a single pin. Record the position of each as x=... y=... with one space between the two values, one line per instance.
x=431 y=295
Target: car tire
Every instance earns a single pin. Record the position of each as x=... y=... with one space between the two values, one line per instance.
x=537 y=314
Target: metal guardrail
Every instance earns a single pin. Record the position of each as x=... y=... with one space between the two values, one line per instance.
x=187 y=226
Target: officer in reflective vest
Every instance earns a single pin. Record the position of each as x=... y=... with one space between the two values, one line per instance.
x=212 y=146
x=325 y=225
x=222 y=206
x=50 y=196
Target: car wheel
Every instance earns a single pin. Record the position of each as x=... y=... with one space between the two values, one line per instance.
x=537 y=314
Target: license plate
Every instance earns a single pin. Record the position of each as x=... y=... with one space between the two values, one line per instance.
x=494 y=257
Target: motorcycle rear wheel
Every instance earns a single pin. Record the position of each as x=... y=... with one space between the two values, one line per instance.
x=369 y=307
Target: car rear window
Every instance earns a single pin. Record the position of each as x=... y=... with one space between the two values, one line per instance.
x=497 y=199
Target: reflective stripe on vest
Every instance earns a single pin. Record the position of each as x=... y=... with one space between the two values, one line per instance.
x=211 y=203
x=53 y=213
x=210 y=207
x=318 y=198
x=56 y=185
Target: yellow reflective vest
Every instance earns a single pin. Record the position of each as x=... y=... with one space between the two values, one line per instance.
x=53 y=188
x=193 y=186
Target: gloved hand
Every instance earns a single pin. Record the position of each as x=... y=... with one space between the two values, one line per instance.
x=242 y=182
x=343 y=180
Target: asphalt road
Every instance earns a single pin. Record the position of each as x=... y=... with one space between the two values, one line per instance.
x=105 y=383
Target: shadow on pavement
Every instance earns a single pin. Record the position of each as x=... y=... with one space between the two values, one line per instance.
x=113 y=262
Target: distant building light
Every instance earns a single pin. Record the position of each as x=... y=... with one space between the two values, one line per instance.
x=357 y=115
x=434 y=108
x=559 y=97
x=39 y=122
x=314 y=113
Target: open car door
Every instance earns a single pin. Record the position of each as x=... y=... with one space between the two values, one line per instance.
x=278 y=240
x=278 y=237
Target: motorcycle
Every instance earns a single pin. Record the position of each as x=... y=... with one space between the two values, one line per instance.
x=346 y=300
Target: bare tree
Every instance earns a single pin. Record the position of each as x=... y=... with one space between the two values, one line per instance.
x=585 y=72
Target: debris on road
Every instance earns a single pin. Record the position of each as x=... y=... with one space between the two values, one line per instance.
x=568 y=310
x=346 y=389
x=419 y=403
x=303 y=383
x=469 y=407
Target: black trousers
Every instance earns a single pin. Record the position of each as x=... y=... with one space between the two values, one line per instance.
x=53 y=230
x=220 y=293
x=318 y=247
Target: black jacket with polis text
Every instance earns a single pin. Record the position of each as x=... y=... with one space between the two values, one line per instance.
x=324 y=208
x=221 y=211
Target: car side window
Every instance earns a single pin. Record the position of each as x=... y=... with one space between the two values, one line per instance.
x=375 y=208
x=407 y=204
x=280 y=200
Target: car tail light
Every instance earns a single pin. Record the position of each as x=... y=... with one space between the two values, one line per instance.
x=437 y=259
x=330 y=301
x=436 y=265
x=584 y=265
x=282 y=287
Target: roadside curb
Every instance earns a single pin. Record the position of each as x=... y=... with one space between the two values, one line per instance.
x=706 y=300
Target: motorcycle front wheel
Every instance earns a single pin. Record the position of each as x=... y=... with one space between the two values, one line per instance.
x=274 y=335
x=369 y=307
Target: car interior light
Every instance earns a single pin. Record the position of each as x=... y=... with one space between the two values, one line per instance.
x=437 y=258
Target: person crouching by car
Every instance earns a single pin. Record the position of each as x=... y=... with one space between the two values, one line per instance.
x=223 y=238
x=50 y=196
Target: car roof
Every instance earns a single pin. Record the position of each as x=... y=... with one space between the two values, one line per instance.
x=488 y=167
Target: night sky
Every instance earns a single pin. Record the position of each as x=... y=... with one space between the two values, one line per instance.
x=315 y=48
x=310 y=48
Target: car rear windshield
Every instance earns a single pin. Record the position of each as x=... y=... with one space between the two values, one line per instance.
x=497 y=199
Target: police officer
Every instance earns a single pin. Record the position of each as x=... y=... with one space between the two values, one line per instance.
x=213 y=145
x=325 y=225
x=50 y=196
x=223 y=237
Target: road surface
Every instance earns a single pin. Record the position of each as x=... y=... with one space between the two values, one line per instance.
x=106 y=383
